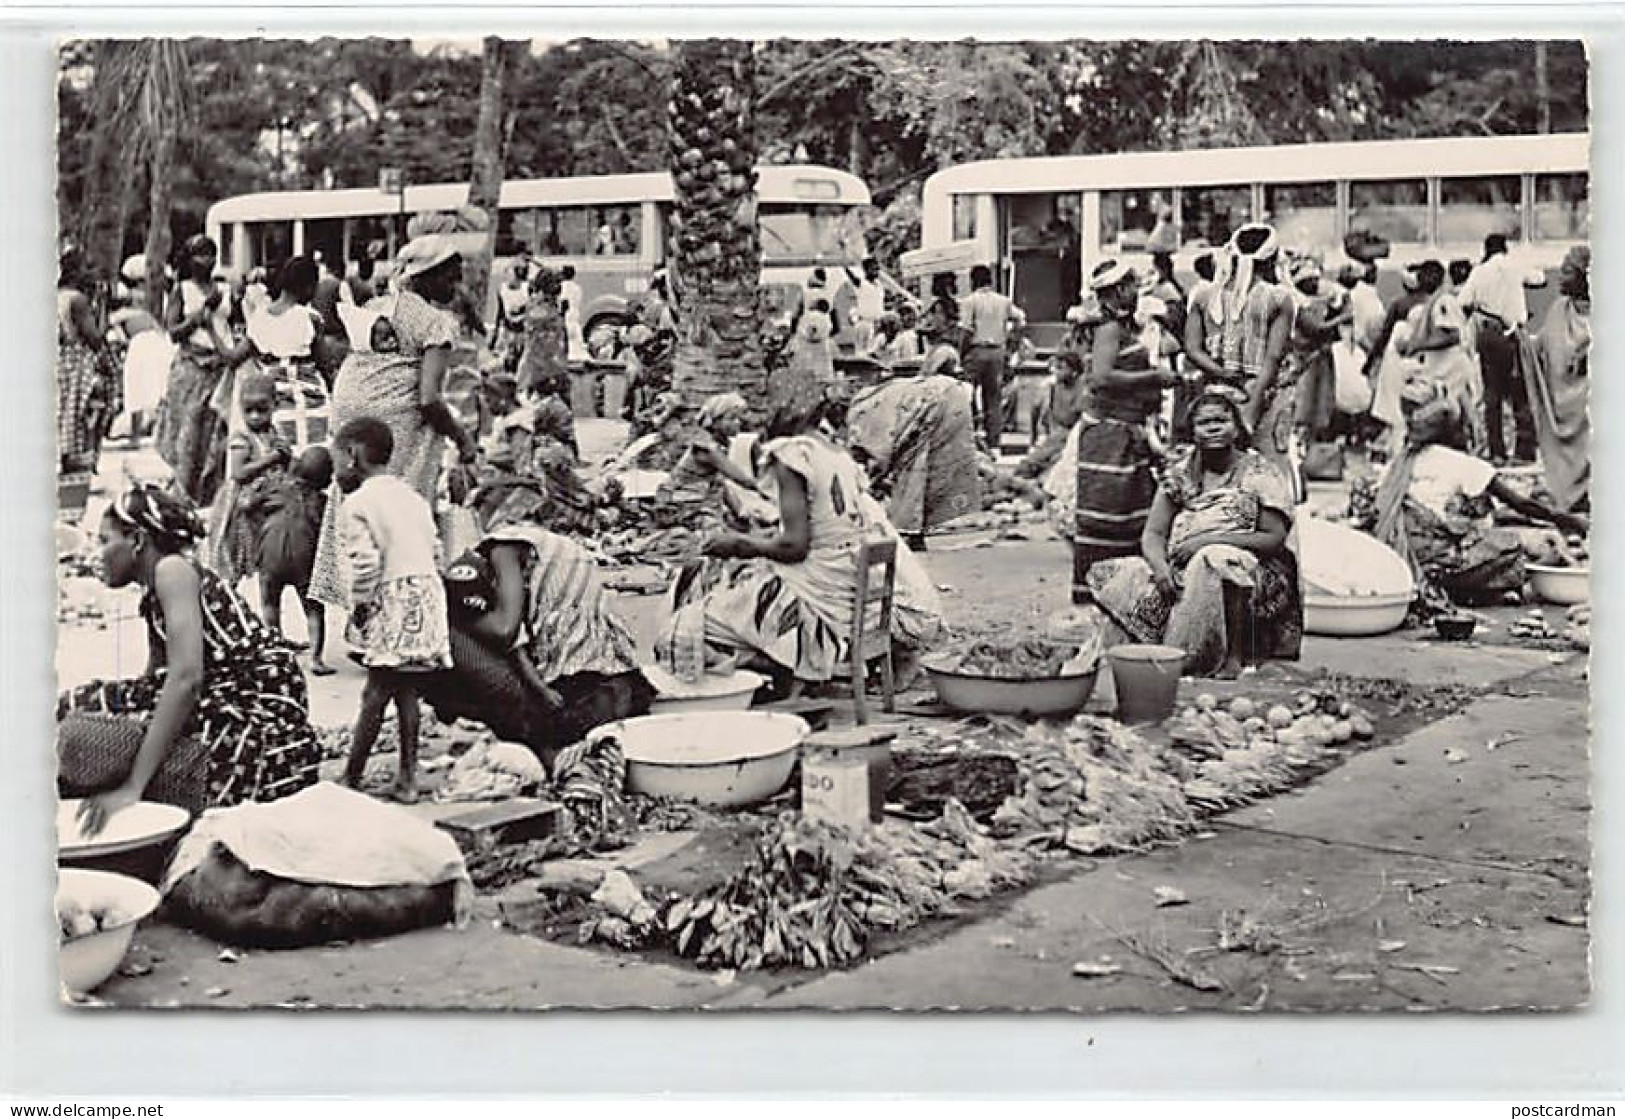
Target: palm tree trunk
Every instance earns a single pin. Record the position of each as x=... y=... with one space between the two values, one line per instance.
x=1543 y=88
x=485 y=181
x=158 y=204
x=713 y=243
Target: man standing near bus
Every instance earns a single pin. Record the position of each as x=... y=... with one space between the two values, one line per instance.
x=1493 y=295
x=869 y=301
x=988 y=318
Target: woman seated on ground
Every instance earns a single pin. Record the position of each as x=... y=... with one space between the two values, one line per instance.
x=914 y=433
x=786 y=602
x=1433 y=507
x=538 y=655
x=706 y=471
x=1214 y=577
x=220 y=717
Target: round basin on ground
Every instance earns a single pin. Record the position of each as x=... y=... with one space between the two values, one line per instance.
x=109 y=906
x=1354 y=616
x=1561 y=586
x=726 y=759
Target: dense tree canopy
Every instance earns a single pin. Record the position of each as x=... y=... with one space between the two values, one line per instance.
x=268 y=114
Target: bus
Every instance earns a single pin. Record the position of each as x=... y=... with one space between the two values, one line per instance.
x=1043 y=223
x=612 y=228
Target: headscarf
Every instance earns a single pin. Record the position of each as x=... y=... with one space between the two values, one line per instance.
x=169 y=521
x=1433 y=422
x=1242 y=261
x=943 y=359
x=424 y=254
x=725 y=406
x=1304 y=267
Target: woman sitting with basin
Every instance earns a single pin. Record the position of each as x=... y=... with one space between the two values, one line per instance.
x=220 y=716
x=1434 y=508
x=1215 y=576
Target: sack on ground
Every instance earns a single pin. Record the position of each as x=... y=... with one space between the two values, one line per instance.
x=325 y=864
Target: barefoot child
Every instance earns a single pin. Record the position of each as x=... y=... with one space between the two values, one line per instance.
x=291 y=516
x=257 y=458
x=398 y=626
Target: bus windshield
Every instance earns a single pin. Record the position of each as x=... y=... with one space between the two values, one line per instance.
x=795 y=233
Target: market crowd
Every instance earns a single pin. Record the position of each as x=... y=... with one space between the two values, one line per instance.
x=372 y=443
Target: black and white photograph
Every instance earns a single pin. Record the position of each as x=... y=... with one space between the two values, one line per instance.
x=763 y=524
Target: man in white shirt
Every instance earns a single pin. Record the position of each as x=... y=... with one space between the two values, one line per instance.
x=570 y=296
x=1494 y=296
x=868 y=302
x=988 y=316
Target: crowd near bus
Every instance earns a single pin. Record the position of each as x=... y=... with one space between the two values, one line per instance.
x=1214 y=331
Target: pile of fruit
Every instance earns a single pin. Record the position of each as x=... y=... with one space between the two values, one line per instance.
x=1578 y=630
x=75 y=920
x=1552 y=550
x=1314 y=718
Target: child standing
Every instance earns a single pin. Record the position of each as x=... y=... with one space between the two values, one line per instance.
x=257 y=458
x=398 y=625
x=291 y=516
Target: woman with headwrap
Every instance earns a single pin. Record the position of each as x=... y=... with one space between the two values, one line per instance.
x=1115 y=484
x=1439 y=342
x=544 y=368
x=89 y=391
x=787 y=600
x=1558 y=360
x=220 y=717
x=1309 y=374
x=538 y=653
x=395 y=372
x=1215 y=576
x=915 y=434
x=1253 y=315
x=1433 y=507
x=190 y=431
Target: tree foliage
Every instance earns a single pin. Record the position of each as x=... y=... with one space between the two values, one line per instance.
x=275 y=114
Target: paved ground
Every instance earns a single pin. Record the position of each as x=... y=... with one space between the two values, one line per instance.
x=1406 y=880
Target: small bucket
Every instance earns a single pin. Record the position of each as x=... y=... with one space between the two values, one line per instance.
x=1147 y=681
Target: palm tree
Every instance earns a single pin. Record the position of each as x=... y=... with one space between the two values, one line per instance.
x=714 y=245
x=500 y=61
x=145 y=109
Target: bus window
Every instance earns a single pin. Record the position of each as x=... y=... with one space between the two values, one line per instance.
x=1304 y=214
x=797 y=233
x=508 y=224
x=1209 y=215
x=964 y=217
x=326 y=237
x=1127 y=218
x=617 y=232
x=1396 y=211
x=1471 y=209
x=270 y=243
x=1562 y=207
x=228 y=241
x=369 y=233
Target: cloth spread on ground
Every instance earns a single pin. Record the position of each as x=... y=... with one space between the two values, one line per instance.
x=332 y=836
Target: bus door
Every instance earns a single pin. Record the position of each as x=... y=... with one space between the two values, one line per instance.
x=1045 y=250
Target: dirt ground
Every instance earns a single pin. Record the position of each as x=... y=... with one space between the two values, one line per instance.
x=1408 y=878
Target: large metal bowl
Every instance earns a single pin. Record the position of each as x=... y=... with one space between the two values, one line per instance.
x=726 y=759
x=86 y=962
x=1355 y=615
x=994 y=695
x=1561 y=586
